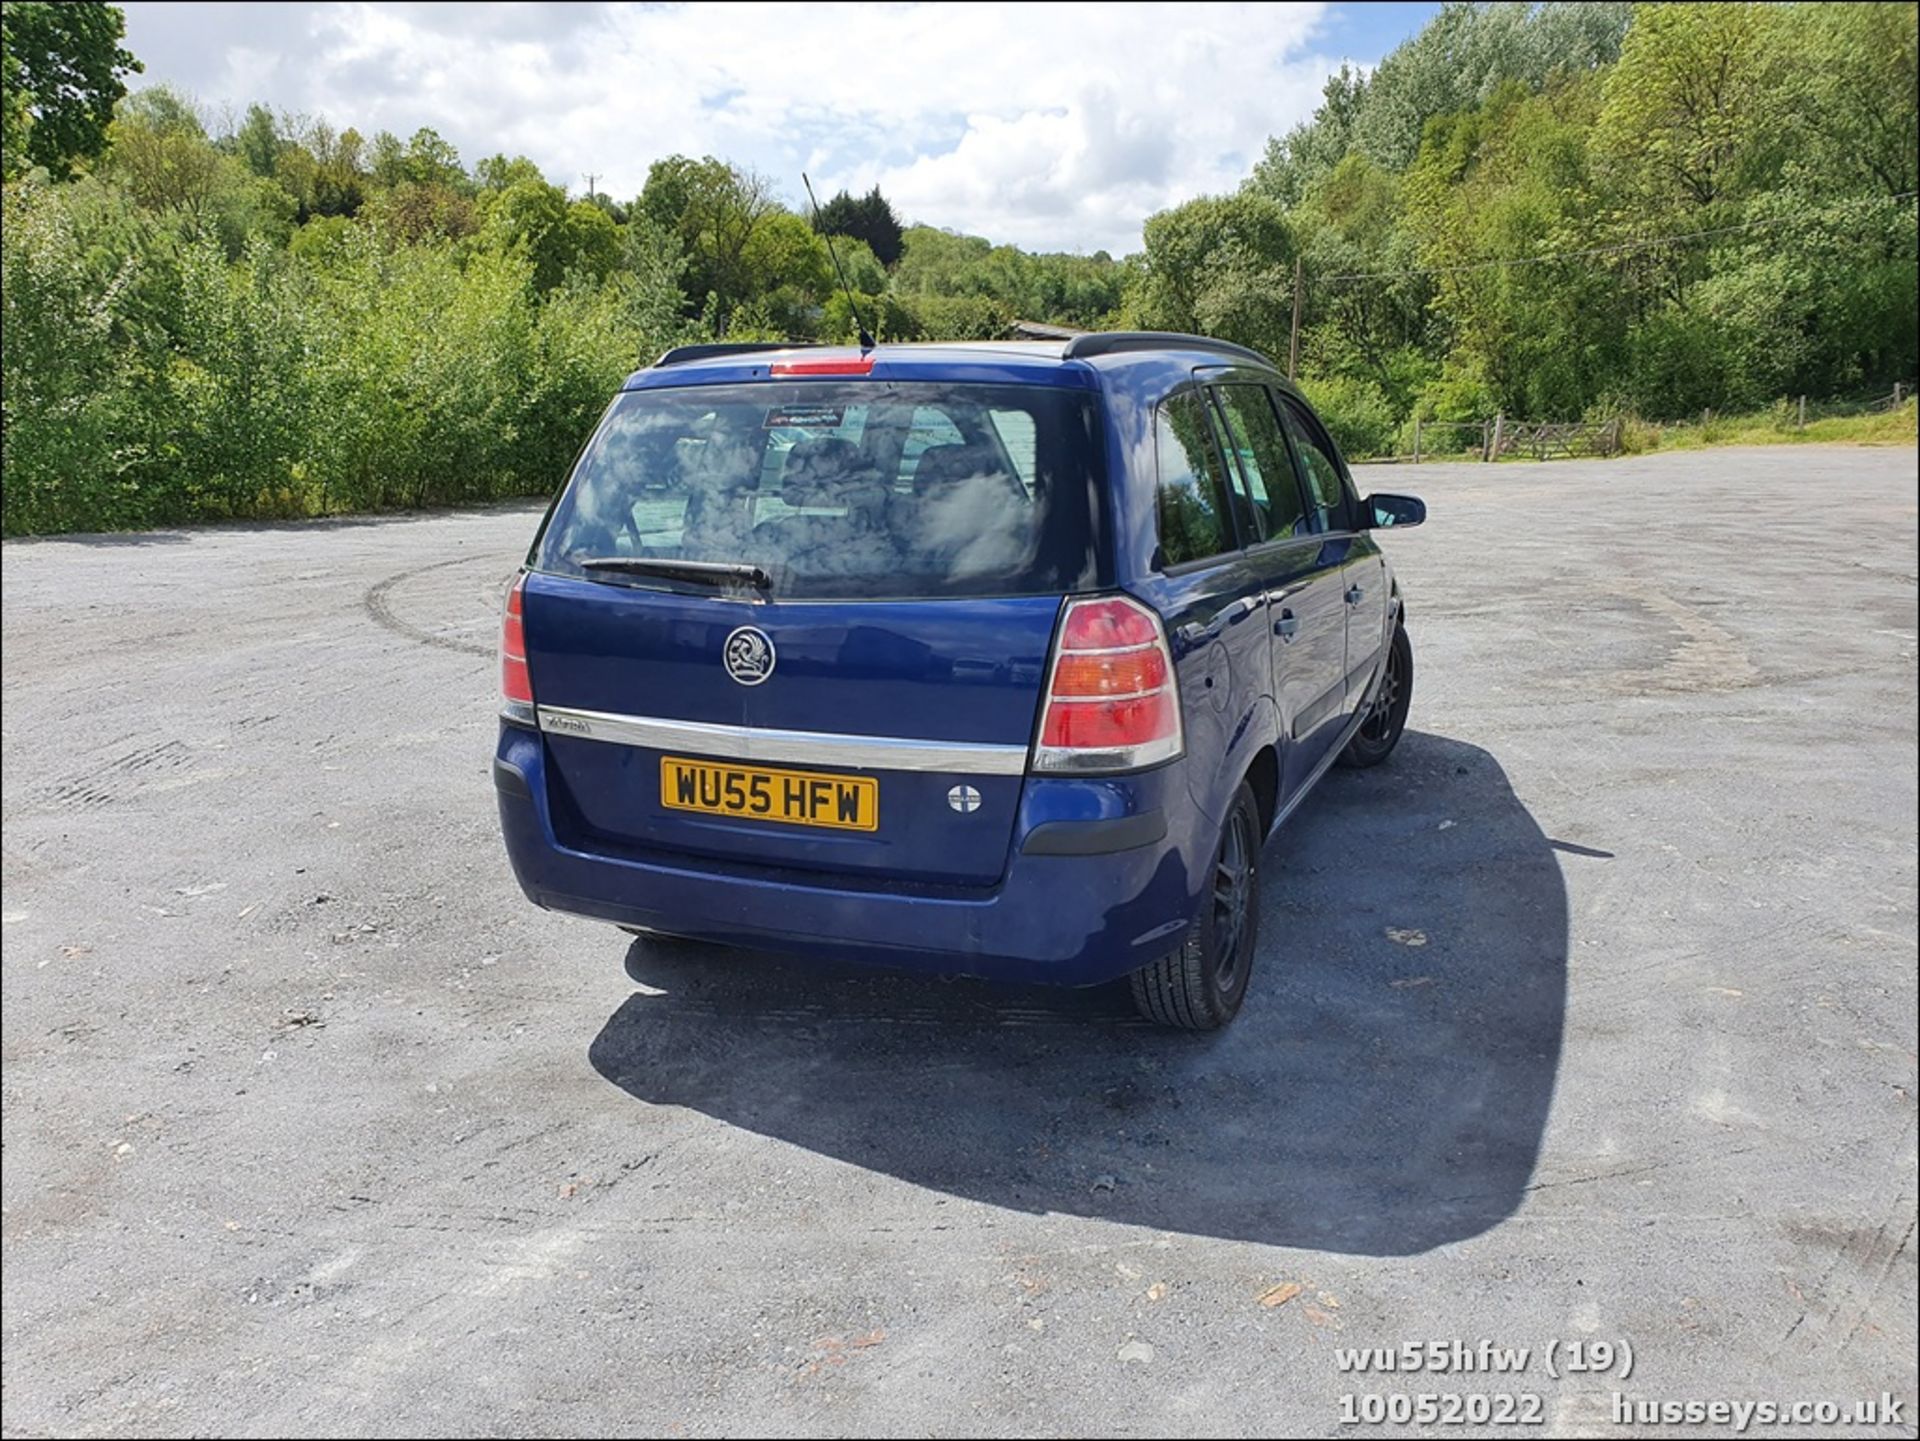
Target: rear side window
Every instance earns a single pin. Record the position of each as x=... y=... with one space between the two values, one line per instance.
x=845 y=490
x=1260 y=454
x=1319 y=471
x=1191 y=498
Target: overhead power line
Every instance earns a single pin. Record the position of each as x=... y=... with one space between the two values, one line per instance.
x=1624 y=247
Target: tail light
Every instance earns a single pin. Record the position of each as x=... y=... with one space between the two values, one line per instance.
x=516 y=686
x=830 y=365
x=1112 y=701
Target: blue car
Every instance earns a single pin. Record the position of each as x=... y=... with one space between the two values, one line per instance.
x=989 y=659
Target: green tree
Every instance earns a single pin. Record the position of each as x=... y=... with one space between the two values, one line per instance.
x=257 y=142
x=593 y=241
x=533 y=219
x=67 y=70
x=432 y=160
x=1374 y=329
x=323 y=170
x=1220 y=265
x=1512 y=180
x=784 y=251
x=714 y=208
x=162 y=155
x=1701 y=101
x=1456 y=62
x=497 y=172
x=529 y=219
x=413 y=213
x=1861 y=88
x=387 y=159
x=16 y=120
x=785 y=265
x=1313 y=148
x=869 y=218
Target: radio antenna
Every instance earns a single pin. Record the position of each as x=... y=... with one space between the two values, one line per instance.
x=866 y=336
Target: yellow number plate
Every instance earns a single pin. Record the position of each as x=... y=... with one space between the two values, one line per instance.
x=755 y=793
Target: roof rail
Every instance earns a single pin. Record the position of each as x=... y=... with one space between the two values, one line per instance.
x=1113 y=342
x=680 y=354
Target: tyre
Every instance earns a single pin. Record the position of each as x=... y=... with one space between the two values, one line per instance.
x=1386 y=718
x=1200 y=986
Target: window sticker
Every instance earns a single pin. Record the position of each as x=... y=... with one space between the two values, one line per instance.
x=805 y=417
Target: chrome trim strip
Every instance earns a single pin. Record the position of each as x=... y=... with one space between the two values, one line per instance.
x=1117 y=695
x=807 y=748
x=1114 y=649
x=1073 y=760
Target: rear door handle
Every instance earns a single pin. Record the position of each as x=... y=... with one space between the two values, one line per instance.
x=1287 y=626
x=1195 y=634
x=1356 y=595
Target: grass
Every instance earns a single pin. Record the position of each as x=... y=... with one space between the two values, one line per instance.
x=1774 y=427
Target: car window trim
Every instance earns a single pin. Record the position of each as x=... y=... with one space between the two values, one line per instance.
x=1249 y=524
x=1316 y=432
x=1098 y=567
x=1301 y=489
x=1236 y=545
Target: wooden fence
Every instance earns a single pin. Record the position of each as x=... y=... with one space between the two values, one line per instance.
x=1497 y=435
x=1566 y=441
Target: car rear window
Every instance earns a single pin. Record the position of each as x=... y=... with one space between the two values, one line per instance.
x=863 y=489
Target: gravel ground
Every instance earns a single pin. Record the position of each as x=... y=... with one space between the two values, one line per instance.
x=1590 y=1018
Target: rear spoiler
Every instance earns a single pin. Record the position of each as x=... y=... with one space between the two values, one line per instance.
x=1113 y=342
x=680 y=354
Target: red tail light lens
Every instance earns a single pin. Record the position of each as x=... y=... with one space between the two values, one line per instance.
x=1112 y=702
x=516 y=686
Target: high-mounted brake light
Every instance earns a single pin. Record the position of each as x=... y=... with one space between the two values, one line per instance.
x=516 y=686
x=858 y=365
x=1112 y=701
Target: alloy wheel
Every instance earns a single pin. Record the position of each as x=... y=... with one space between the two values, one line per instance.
x=1232 y=874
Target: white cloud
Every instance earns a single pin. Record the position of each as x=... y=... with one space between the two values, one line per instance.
x=1056 y=126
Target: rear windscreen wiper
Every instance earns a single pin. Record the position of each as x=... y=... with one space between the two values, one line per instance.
x=715 y=573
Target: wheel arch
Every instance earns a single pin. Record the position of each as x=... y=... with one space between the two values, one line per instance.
x=1263 y=777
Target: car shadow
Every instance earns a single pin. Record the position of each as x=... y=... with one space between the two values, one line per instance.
x=1384 y=1091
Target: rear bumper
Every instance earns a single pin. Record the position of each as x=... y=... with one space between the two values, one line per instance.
x=1085 y=902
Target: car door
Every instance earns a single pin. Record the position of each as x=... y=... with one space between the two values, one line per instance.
x=1332 y=511
x=1300 y=577
x=1208 y=593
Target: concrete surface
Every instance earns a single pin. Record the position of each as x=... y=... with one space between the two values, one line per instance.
x=1591 y=1017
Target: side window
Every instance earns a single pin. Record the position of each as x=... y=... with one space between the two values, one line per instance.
x=1260 y=452
x=1016 y=431
x=928 y=429
x=1319 y=469
x=1190 y=497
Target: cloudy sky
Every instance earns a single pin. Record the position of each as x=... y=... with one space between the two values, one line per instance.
x=1054 y=127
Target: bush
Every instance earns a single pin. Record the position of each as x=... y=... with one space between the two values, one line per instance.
x=148 y=381
x=76 y=372
x=963 y=317
x=1357 y=413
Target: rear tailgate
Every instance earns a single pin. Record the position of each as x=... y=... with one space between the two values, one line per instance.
x=915 y=698
x=804 y=624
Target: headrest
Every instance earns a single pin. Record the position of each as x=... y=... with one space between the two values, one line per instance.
x=946 y=465
x=825 y=471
